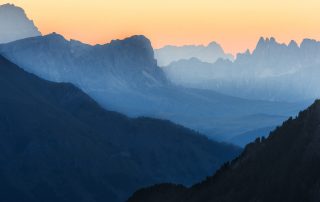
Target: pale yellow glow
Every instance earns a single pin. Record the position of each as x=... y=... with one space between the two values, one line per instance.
x=235 y=24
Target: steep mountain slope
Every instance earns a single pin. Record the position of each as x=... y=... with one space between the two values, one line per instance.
x=283 y=167
x=210 y=53
x=14 y=24
x=57 y=144
x=123 y=76
x=273 y=71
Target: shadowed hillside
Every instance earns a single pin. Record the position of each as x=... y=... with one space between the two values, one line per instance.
x=57 y=144
x=283 y=167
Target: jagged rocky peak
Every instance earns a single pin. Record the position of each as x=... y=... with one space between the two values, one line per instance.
x=293 y=44
x=272 y=40
x=266 y=42
x=15 y=25
x=270 y=47
x=261 y=42
x=261 y=45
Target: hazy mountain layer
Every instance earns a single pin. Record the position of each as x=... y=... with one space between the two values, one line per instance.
x=273 y=71
x=123 y=76
x=283 y=167
x=210 y=53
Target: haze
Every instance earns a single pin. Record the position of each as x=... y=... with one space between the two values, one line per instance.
x=236 y=25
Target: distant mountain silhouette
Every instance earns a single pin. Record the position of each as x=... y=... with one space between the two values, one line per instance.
x=57 y=144
x=14 y=24
x=283 y=167
x=273 y=71
x=210 y=53
x=123 y=76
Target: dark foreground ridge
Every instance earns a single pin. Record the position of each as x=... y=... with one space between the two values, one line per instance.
x=57 y=144
x=283 y=167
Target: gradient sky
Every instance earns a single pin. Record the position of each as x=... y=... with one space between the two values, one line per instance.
x=235 y=24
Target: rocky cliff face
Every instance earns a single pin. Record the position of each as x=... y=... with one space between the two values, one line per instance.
x=128 y=62
x=15 y=25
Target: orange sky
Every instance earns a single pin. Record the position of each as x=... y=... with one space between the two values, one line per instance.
x=235 y=24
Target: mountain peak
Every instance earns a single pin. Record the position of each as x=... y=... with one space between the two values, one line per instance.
x=261 y=41
x=308 y=43
x=293 y=44
x=214 y=44
x=216 y=47
x=138 y=38
x=55 y=36
x=264 y=42
x=138 y=47
x=272 y=40
x=135 y=39
x=267 y=45
x=15 y=25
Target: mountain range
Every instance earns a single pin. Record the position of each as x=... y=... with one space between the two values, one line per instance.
x=57 y=144
x=283 y=167
x=15 y=25
x=74 y=126
x=123 y=76
x=273 y=71
x=210 y=53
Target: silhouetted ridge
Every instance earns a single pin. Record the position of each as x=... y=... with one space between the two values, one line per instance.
x=283 y=167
